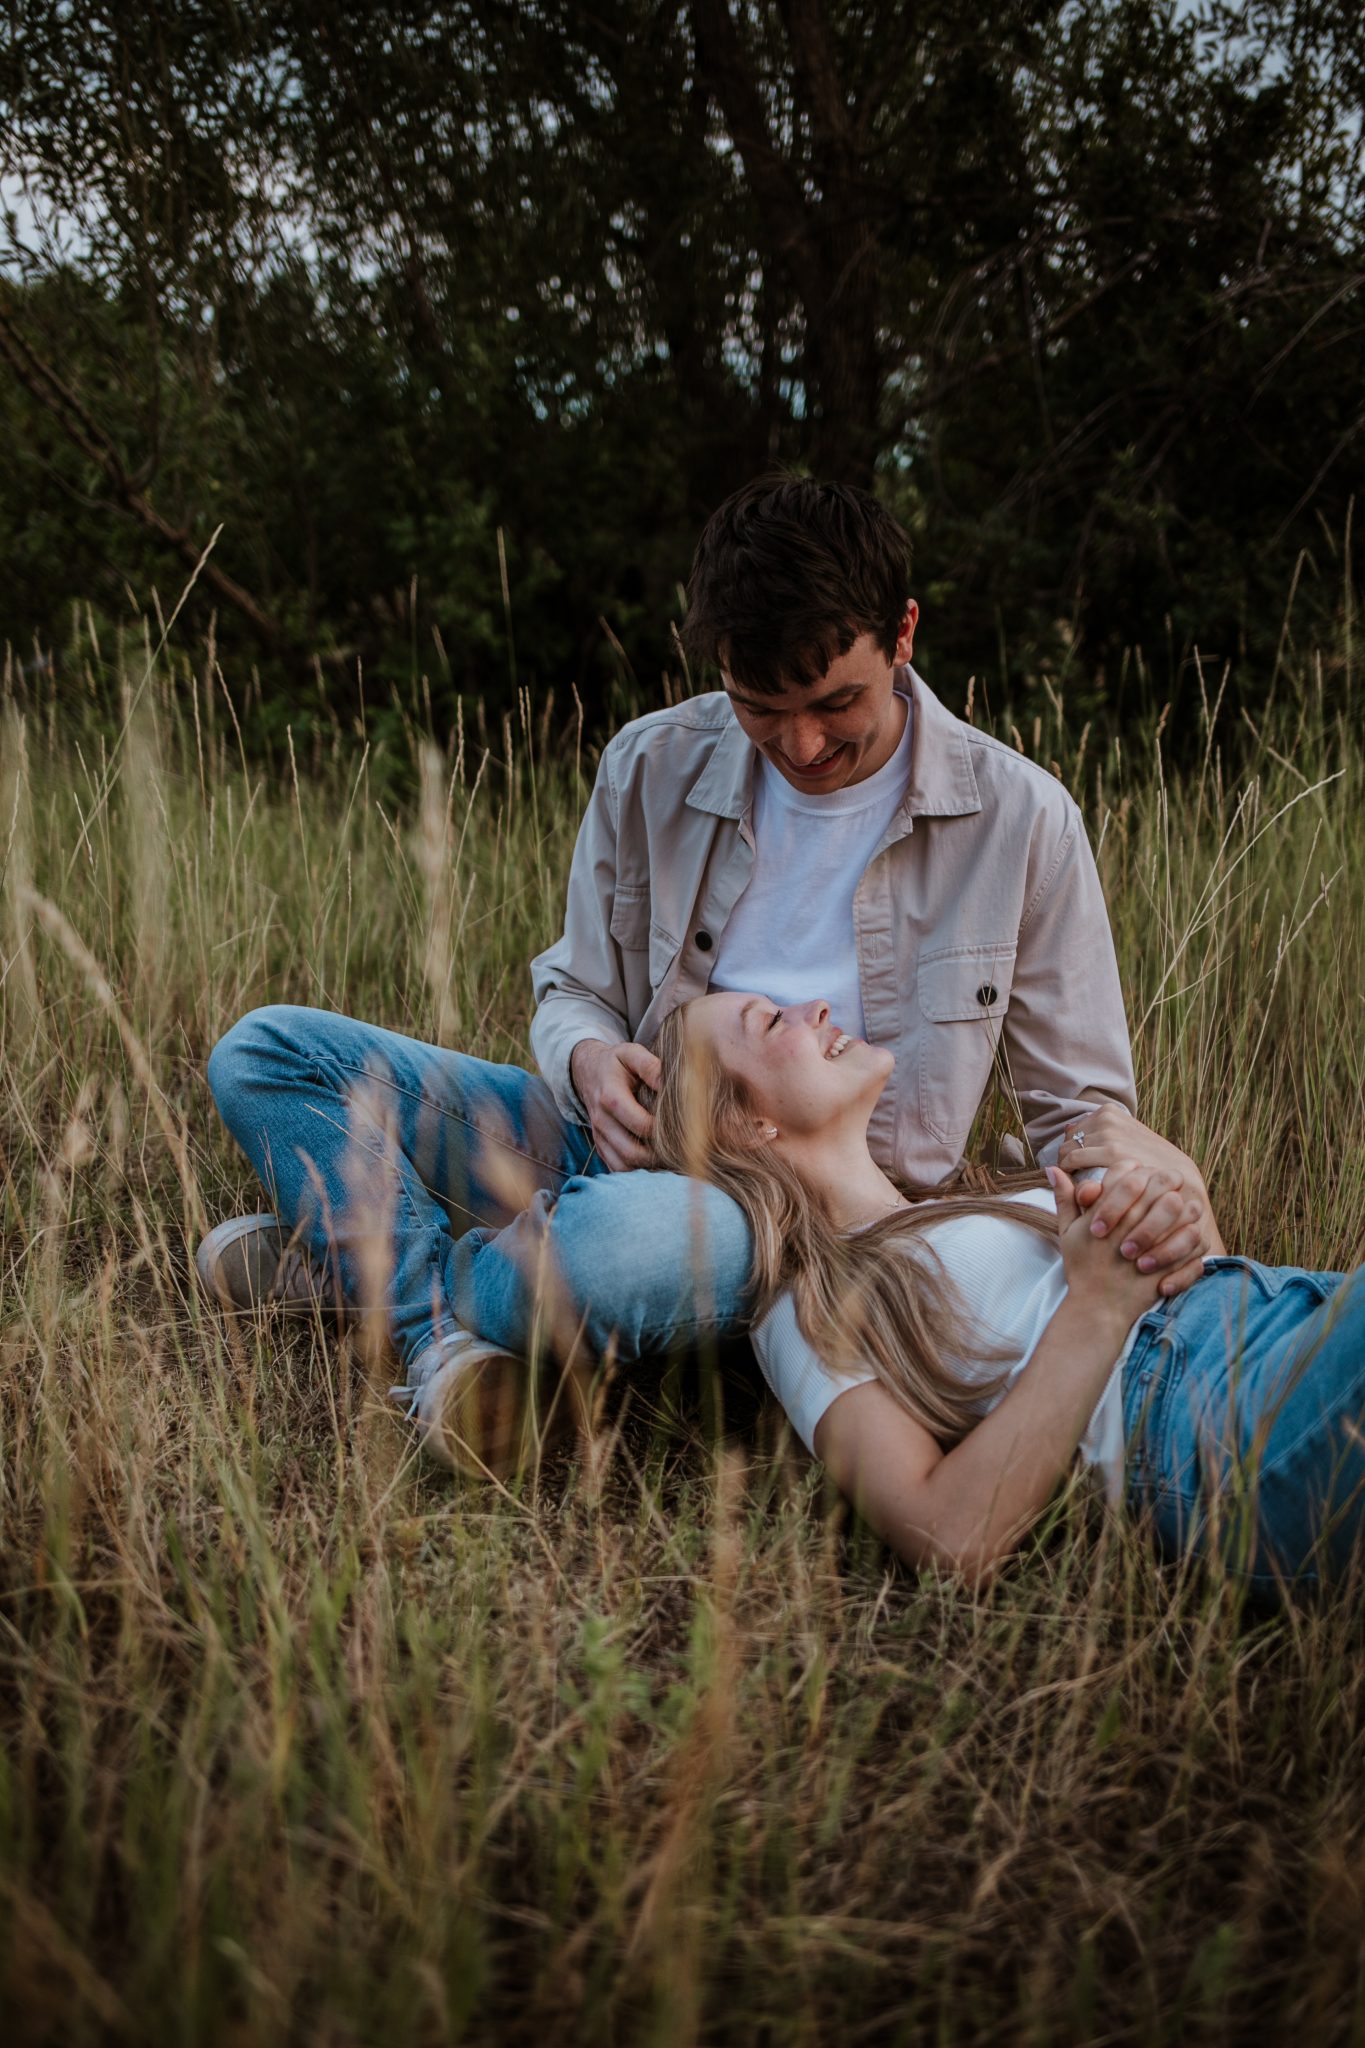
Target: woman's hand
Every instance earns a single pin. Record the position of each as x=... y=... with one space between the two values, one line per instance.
x=1097 y=1275
x=1175 y=1232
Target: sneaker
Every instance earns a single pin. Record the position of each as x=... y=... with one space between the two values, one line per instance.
x=248 y=1262
x=473 y=1408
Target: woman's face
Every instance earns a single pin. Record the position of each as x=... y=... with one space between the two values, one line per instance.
x=801 y=1070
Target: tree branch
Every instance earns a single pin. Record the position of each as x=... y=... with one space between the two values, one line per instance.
x=42 y=383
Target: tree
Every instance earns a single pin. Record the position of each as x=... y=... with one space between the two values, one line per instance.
x=1075 y=281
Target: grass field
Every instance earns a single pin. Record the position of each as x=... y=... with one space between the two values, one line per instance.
x=302 y=1740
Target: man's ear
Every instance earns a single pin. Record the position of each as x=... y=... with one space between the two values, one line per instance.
x=905 y=638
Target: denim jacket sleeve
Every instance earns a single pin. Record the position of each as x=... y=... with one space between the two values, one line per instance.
x=578 y=983
x=1066 y=1036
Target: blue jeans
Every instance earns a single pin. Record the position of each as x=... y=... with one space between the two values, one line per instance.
x=1244 y=1410
x=452 y=1192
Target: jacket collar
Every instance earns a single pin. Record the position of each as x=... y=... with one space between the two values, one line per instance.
x=725 y=786
x=942 y=781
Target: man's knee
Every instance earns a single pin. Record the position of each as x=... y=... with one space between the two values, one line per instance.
x=240 y=1047
x=253 y=1051
x=649 y=1257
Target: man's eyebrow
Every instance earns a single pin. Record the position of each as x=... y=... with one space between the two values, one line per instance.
x=812 y=703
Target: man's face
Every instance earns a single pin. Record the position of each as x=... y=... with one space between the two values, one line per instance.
x=843 y=728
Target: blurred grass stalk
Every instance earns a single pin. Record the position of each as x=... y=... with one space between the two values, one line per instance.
x=303 y=1740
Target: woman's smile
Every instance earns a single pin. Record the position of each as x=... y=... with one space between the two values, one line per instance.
x=787 y=1056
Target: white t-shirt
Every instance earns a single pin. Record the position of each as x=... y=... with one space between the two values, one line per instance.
x=790 y=935
x=1010 y=1279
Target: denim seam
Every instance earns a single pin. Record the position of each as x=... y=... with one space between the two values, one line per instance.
x=416 y=1095
x=414 y=1213
x=1151 y=1409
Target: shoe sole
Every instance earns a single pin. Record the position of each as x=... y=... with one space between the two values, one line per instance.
x=207 y=1261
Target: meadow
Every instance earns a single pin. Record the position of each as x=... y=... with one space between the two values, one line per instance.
x=302 y=1739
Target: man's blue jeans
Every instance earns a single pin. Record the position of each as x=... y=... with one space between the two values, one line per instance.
x=452 y=1192
x=1244 y=1405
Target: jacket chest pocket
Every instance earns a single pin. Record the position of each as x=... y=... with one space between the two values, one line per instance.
x=642 y=940
x=963 y=995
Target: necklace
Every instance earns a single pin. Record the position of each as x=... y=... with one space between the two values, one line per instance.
x=901 y=1202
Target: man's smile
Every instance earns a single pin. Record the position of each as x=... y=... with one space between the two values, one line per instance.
x=823 y=765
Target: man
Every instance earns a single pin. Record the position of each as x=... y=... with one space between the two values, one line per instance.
x=822 y=826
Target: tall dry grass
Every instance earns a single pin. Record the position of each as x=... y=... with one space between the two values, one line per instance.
x=300 y=1740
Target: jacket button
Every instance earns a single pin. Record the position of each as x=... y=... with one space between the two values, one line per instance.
x=704 y=942
x=985 y=995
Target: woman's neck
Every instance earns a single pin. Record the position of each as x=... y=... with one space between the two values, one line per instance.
x=844 y=1179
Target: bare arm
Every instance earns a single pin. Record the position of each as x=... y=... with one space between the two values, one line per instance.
x=969 y=1507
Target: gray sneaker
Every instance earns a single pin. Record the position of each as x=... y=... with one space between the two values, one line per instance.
x=474 y=1409
x=248 y=1262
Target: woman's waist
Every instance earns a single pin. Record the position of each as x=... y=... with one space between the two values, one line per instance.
x=1238 y=1303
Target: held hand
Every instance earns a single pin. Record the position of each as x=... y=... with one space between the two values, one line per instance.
x=1095 y=1272
x=605 y=1077
x=1176 y=1228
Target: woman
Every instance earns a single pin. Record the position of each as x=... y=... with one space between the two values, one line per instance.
x=896 y=1325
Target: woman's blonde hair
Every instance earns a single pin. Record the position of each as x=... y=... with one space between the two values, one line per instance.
x=871 y=1298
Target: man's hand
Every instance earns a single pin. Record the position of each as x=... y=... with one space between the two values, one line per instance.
x=605 y=1077
x=1178 y=1227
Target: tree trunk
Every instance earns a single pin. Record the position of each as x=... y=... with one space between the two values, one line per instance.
x=824 y=236
x=847 y=371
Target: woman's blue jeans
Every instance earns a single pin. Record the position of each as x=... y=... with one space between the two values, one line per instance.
x=451 y=1192
x=1244 y=1407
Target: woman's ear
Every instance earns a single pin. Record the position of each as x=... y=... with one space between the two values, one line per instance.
x=764 y=1132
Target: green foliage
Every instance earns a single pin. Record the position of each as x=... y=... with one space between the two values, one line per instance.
x=1077 y=283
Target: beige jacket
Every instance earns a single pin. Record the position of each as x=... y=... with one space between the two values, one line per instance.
x=983 y=942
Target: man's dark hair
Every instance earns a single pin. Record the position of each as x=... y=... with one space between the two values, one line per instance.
x=788 y=572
